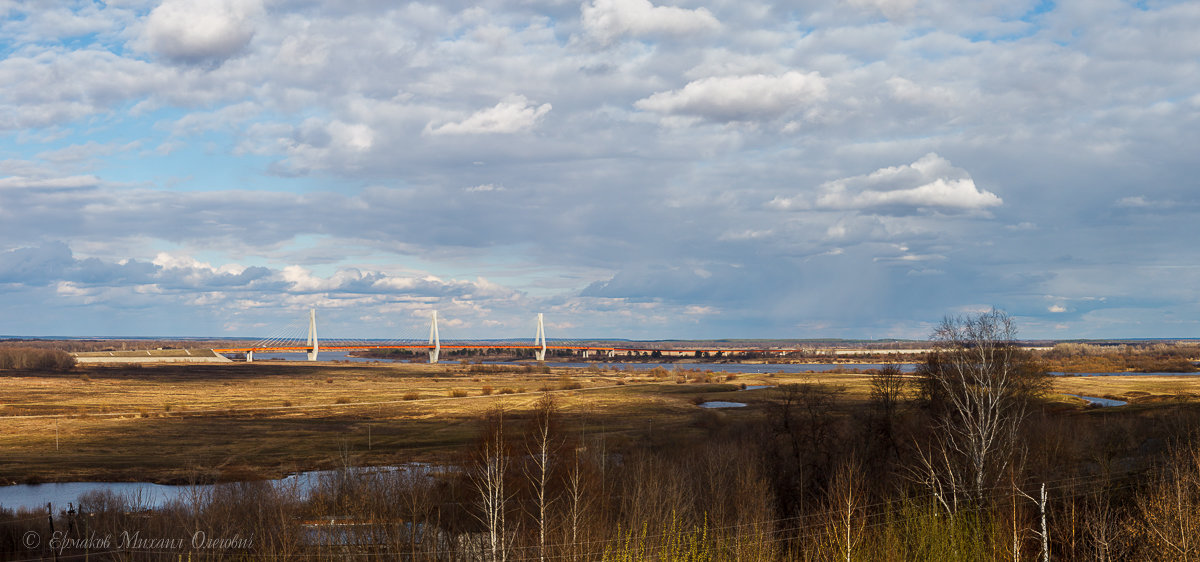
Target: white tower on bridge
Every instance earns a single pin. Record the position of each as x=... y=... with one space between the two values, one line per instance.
x=312 y=334
x=435 y=342
x=540 y=339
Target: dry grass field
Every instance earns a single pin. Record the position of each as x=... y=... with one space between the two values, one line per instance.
x=179 y=423
x=182 y=423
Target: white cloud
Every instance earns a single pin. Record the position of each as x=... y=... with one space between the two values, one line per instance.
x=196 y=31
x=1057 y=308
x=64 y=183
x=892 y=9
x=486 y=187
x=953 y=194
x=741 y=98
x=930 y=182
x=606 y=20
x=513 y=115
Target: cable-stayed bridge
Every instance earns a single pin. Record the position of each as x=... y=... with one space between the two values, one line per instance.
x=302 y=337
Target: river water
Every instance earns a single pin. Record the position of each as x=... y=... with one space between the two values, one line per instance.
x=148 y=495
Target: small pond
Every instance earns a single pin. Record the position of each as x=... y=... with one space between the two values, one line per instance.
x=1101 y=402
x=721 y=404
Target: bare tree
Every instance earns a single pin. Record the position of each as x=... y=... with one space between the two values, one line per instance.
x=540 y=449
x=578 y=503
x=488 y=478
x=979 y=385
x=803 y=416
x=888 y=387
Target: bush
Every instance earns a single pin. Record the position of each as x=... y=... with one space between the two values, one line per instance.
x=411 y=396
x=565 y=382
x=485 y=391
x=342 y=400
x=458 y=393
x=36 y=359
x=507 y=390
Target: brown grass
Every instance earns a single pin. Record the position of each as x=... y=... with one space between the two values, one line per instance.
x=162 y=422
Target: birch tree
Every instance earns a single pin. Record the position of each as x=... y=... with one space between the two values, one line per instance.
x=979 y=385
x=488 y=477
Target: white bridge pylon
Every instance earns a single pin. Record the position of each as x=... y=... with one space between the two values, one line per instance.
x=292 y=340
x=312 y=334
x=435 y=341
x=540 y=339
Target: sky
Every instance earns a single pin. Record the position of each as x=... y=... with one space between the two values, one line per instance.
x=631 y=169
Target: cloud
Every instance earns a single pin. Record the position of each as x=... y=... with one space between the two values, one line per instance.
x=361 y=138
x=607 y=20
x=929 y=183
x=484 y=188
x=513 y=115
x=201 y=31
x=51 y=183
x=741 y=98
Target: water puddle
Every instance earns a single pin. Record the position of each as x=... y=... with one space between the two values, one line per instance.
x=1101 y=402
x=721 y=404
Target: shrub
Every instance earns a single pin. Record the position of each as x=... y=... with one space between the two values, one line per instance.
x=507 y=390
x=458 y=393
x=485 y=391
x=329 y=380
x=411 y=396
x=36 y=359
x=565 y=382
x=342 y=400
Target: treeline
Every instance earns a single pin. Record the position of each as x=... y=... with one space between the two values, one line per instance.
x=1149 y=358
x=35 y=359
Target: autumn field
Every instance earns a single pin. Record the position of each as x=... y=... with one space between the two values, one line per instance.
x=185 y=423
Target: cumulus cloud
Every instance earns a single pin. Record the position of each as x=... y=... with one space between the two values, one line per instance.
x=741 y=98
x=201 y=31
x=607 y=20
x=929 y=183
x=50 y=184
x=512 y=115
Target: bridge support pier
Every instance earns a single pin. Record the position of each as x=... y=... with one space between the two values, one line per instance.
x=435 y=341
x=250 y=356
x=540 y=339
x=312 y=334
